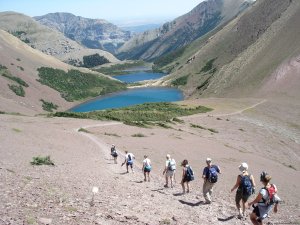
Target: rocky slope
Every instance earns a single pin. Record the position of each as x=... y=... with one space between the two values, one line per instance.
x=21 y=61
x=243 y=56
x=183 y=30
x=92 y=33
x=47 y=40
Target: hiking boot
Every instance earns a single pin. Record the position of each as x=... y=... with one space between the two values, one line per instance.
x=166 y=186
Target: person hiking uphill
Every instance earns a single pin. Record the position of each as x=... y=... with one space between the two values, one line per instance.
x=210 y=176
x=187 y=176
x=264 y=201
x=169 y=170
x=146 y=168
x=129 y=157
x=245 y=185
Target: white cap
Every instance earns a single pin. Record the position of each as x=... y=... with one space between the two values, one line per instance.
x=243 y=167
x=208 y=160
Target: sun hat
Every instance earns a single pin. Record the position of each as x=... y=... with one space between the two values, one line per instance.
x=243 y=167
x=208 y=160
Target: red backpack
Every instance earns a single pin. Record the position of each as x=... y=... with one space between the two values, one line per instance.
x=271 y=193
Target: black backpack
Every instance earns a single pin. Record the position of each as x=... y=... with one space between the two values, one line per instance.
x=129 y=157
x=189 y=174
x=246 y=185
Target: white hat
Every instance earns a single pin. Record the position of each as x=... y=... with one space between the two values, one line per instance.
x=208 y=160
x=243 y=167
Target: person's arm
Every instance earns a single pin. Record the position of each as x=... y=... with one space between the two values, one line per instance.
x=165 y=169
x=256 y=200
x=183 y=174
x=204 y=173
x=238 y=181
x=276 y=207
x=253 y=184
x=218 y=170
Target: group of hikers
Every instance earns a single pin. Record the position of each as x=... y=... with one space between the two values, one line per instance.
x=266 y=199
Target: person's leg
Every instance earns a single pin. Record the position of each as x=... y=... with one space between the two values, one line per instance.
x=171 y=180
x=183 y=187
x=238 y=198
x=205 y=192
x=127 y=167
x=253 y=219
x=210 y=191
x=167 y=183
x=132 y=168
x=187 y=187
x=148 y=176
x=145 y=176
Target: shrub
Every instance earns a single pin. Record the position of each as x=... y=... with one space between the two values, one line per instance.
x=94 y=60
x=37 y=161
x=18 y=89
x=48 y=106
x=180 y=81
x=138 y=135
x=208 y=66
x=83 y=130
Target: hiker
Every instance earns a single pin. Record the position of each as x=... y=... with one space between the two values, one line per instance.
x=113 y=152
x=187 y=176
x=146 y=168
x=169 y=170
x=264 y=201
x=210 y=176
x=129 y=157
x=245 y=185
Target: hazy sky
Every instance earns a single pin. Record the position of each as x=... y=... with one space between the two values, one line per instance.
x=117 y=11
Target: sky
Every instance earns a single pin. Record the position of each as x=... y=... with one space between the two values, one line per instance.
x=115 y=11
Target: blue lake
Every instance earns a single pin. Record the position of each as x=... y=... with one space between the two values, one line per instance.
x=139 y=76
x=130 y=97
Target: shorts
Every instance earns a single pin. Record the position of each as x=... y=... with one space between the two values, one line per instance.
x=256 y=211
x=239 y=196
x=147 y=169
x=170 y=173
x=129 y=163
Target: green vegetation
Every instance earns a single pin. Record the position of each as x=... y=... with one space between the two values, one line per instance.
x=76 y=85
x=48 y=106
x=18 y=89
x=119 y=68
x=83 y=130
x=209 y=66
x=94 y=60
x=203 y=128
x=21 y=68
x=21 y=35
x=112 y=134
x=140 y=115
x=138 y=135
x=16 y=130
x=37 y=161
x=180 y=81
x=5 y=73
x=167 y=59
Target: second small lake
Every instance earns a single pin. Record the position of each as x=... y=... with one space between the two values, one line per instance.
x=139 y=76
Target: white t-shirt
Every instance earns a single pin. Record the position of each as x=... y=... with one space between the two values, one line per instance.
x=131 y=156
x=171 y=162
x=146 y=162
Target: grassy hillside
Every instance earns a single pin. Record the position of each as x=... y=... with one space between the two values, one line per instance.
x=237 y=58
x=76 y=85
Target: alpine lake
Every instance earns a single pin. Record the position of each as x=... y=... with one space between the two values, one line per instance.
x=132 y=96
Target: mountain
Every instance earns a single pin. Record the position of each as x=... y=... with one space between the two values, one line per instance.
x=256 y=54
x=47 y=40
x=92 y=33
x=20 y=88
x=183 y=30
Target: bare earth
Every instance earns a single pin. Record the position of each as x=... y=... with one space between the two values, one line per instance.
x=264 y=133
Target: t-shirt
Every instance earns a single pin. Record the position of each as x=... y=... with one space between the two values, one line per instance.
x=131 y=156
x=146 y=162
x=170 y=162
x=206 y=170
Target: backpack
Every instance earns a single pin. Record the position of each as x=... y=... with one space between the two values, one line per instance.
x=246 y=185
x=172 y=165
x=212 y=175
x=271 y=195
x=129 y=157
x=189 y=174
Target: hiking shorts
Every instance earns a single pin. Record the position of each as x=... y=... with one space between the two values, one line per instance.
x=130 y=163
x=147 y=169
x=170 y=173
x=239 y=196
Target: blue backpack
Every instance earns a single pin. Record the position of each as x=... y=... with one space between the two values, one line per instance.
x=246 y=185
x=212 y=175
x=189 y=174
